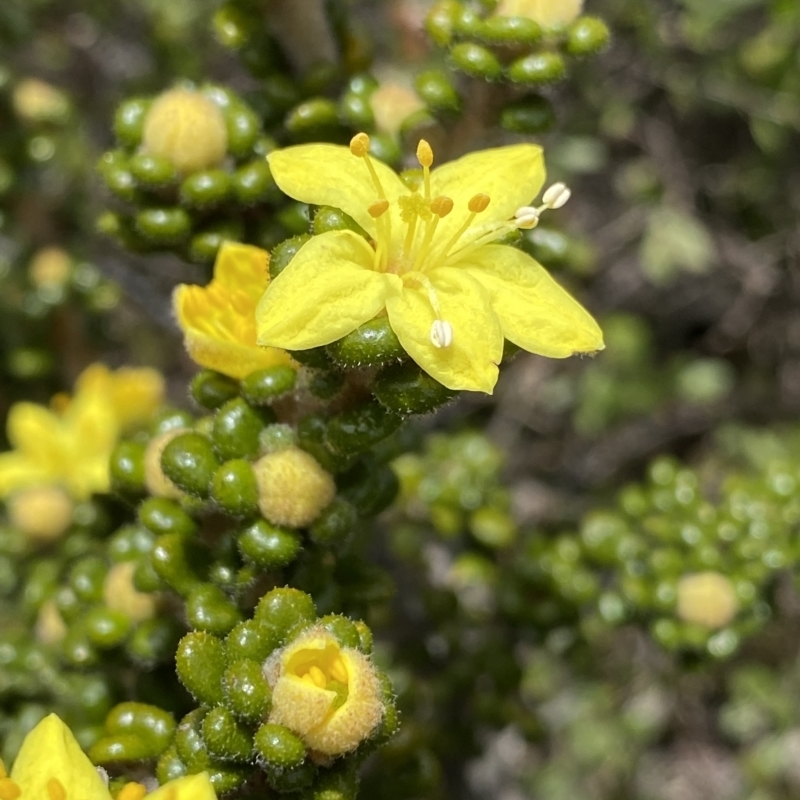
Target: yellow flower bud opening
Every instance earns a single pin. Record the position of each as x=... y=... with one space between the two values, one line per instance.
x=157 y=482
x=119 y=593
x=707 y=599
x=292 y=487
x=327 y=694
x=186 y=129
x=43 y=513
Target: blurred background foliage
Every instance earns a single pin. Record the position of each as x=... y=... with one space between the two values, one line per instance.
x=536 y=640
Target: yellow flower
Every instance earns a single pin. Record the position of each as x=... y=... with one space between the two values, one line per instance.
x=52 y=766
x=450 y=293
x=135 y=393
x=327 y=694
x=547 y=13
x=218 y=321
x=71 y=446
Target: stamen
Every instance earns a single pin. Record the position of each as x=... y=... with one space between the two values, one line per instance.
x=476 y=205
x=56 y=790
x=359 y=145
x=132 y=791
x=479 y=203
x=441 y=333
x=339 y=671
x=527 y=217
x=441 y=206
x=9 y=790
x=378 y=208
x=556 y=196
x=425 y=158
x=318 y=676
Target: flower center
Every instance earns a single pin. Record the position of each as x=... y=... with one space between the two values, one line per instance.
x=421 y=215
x=324 y=669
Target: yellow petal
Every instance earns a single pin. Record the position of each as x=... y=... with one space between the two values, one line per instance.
x=51 y=751
x=33 y=429
x=242 y=267
x=190 y=787
x=511 y=176
x=470 y=362
x=534 y=311
x=327 y=291
x=17 y=471
x=330 y=175
x=212 y=349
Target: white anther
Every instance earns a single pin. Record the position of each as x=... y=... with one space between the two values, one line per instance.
x=557 y=195
x=527 y=217
x=441 y=333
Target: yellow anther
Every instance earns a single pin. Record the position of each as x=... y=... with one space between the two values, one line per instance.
x=9 y=790
x=479 y=203
x=318 y=676
x=359 y=145
x=424 y=153
x=441 y=206
x=132 y=791
x=339 y=671
x=56 y=790
x=378 y=208
x=307 y=679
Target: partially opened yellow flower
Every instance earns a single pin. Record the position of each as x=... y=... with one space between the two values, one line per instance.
x=546 y=12
x=218 y=321
x=451 y=294
x=52 y=766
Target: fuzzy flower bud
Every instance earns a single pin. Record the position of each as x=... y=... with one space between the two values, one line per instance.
x=547 y=13
x=707 y=599
x=119 y=593
x=49 y=266
x=41 y=513
x=157 y=482
x=186 y=129
x=327 y=694
x=292 y=487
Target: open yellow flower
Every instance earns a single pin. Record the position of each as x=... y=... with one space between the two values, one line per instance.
x=70 y=445
x=450 y=293
x=218 y=321
x=52 y=766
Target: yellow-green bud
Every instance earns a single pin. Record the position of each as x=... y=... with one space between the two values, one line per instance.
x=157 y=482
x=187 y=129
x=42 y=513
x=329 y=695
x=707 y=599
x=50 y=626
x=292 y=487
x=119 y=593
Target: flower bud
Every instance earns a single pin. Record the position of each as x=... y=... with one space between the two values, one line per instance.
x=392 y=103
x=37 y=101
x=157 y=482
x=548 y=13
x=119 y=593
x=49 y=266
x=43 y=514
x=329 y=695
x=50 y=626
x=187 y=129
x=707 y=599
x=292 y=487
